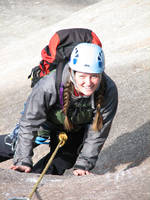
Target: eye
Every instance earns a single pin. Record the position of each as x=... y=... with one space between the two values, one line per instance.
x=95 y=76
x=82 y=76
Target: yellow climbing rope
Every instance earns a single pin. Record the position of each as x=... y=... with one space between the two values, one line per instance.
x=62 y=139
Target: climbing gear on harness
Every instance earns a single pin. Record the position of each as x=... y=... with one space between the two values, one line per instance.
x=87 y=58
x=11 y=138
x=62 y=140
x=41 y=140
x=43 y=135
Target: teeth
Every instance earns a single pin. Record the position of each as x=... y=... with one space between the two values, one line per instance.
x=87 y=87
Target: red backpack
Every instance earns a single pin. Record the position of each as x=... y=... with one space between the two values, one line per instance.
x=57 y=53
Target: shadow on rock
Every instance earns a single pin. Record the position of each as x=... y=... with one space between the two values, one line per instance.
x=130 y=148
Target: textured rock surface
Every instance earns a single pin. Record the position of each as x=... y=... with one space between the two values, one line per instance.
x=122 y=170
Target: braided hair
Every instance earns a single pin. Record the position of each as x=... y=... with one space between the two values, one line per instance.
x=67 y=94
x=99 y=98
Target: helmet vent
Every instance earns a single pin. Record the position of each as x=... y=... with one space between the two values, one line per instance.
x=100 y=57
x=74 y=61
x=76 y=53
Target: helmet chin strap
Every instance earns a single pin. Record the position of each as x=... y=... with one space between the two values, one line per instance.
x=72 y=75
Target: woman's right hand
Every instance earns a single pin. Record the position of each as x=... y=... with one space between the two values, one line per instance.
x=21 y=168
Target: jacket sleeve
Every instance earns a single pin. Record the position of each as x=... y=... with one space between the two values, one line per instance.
x=94 y=141
x=34 y=115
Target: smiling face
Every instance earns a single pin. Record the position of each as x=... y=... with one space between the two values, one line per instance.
x=87 y=83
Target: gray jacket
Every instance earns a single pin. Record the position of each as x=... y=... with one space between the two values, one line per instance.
x=42 y=97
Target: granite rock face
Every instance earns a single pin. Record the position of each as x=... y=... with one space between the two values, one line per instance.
x=122 y=170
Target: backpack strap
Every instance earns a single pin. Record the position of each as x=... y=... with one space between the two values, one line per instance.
x=58 y=83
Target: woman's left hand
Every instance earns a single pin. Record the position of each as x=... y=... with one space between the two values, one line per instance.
x=81 y=172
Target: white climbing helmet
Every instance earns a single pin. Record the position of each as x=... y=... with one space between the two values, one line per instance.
x=87 y=58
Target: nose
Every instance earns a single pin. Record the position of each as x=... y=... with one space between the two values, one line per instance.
x=88 y=81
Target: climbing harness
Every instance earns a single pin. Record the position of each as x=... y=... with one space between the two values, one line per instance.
x=62 y=139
